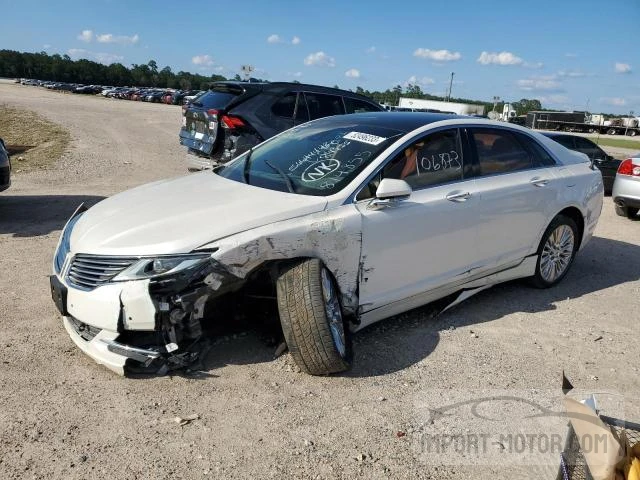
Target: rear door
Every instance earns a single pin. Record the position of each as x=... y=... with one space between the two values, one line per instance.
x=518 y=192
x=323 y=105
x=201 y=124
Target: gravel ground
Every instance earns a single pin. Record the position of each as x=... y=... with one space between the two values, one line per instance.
x=63 y=416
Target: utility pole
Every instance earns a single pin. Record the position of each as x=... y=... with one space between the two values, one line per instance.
x=450 y=85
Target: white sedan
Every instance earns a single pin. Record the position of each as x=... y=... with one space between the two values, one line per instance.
x=343 y=221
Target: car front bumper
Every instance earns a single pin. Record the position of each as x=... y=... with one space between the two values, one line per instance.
x=95 y=320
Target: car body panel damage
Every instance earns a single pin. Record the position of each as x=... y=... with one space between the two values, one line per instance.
x=333 y=236
x=138 y=311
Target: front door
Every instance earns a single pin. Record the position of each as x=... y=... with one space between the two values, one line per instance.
x=428 y=239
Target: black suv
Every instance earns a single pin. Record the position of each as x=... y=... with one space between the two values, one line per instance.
x=607 y=165
x=232 y=117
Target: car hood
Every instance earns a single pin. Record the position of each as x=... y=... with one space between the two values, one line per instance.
x=179 y=215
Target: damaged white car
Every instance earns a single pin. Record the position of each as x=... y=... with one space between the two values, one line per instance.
x=343 y=221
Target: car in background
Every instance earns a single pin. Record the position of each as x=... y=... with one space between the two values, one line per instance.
x=5 y=167
x=626 y=188
x=343 y=221
x=232 y=117
x=604 y=162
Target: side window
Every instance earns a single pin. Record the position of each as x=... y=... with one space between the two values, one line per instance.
x=499 y=152
x=354 y=105
x=321 y=105
x=285 y=106
x=432 y=160
x=537 y=152
x=585 y=146
x=302 y=113
x=566 y=142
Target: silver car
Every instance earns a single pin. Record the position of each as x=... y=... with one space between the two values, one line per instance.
x=626 y=187
x=341 y=221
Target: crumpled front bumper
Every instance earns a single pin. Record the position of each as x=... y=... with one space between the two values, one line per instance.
x=97 y=347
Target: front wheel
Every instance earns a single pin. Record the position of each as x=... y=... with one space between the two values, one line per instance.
x=556 y=252
x=311 y=318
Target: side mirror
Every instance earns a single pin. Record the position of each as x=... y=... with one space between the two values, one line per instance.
x=389 y=193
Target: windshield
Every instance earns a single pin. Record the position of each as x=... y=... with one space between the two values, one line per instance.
x=314 y=159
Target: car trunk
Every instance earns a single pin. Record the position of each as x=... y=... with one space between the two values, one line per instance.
x=201 y=125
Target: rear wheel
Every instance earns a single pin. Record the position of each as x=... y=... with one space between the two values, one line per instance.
x=556 y=252
x=632 y=212
x=629 y=212
x=311 y=318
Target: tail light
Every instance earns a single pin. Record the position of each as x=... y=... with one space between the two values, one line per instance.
x=212 y=112
x=231 y=122
x=628 y=168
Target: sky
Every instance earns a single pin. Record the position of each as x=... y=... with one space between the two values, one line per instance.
x=569 y=54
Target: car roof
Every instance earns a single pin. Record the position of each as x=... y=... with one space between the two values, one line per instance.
x=277 y=87
x=402 y=121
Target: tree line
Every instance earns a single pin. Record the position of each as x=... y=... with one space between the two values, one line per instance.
x=61 y=68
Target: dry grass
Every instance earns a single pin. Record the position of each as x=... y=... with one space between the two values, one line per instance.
x=33 y=141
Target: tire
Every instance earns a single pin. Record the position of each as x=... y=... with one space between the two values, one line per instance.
x=307 y=302
x=632 y=133
x=632 y=212
x=556 y=252
x=629 y=212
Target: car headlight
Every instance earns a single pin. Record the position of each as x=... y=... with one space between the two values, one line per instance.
x=64 y=245
x=160 y=266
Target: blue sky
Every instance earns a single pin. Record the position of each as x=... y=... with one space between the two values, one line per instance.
x=570 y=54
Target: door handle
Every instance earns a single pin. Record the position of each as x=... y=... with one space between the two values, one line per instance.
x=538 y=182
x=458 y=196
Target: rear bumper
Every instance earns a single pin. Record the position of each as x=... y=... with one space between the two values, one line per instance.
x=626 y=191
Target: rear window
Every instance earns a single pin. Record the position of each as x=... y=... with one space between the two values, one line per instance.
x=215 y=99
x=353 y=105
x=321 y=105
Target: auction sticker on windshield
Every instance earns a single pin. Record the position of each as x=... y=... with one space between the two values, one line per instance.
x=365 y=138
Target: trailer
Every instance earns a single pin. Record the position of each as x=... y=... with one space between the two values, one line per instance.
x=581 y=122
x=438 y=106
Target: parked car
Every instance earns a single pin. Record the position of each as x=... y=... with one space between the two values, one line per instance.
x=344 y=221
x=232 y=117
x=626 y=188
x=5 y=167
x=602 y=160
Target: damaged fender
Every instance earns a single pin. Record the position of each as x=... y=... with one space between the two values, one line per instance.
x=333 y=236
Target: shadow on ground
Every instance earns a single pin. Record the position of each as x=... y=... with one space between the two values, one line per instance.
x=35 y=215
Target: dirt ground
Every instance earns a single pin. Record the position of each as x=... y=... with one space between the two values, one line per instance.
x=63 y=416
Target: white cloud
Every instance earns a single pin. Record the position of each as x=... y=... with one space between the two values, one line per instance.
x=571 y=55
x=106 y=58
x=421 y=81
x=274 y=38
x=46 y=46
x=533 y=64
x=295 y=40
x=319 y=59
x=371 y=49
x=119 y=39
x=437 y=55
x=540 y=84
x=502 y=58
x=86 y=36
x=614 y=101
x=555 y=99
x=572 y=73
x=204 y=60
x=352 y=73
x=622 y=68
